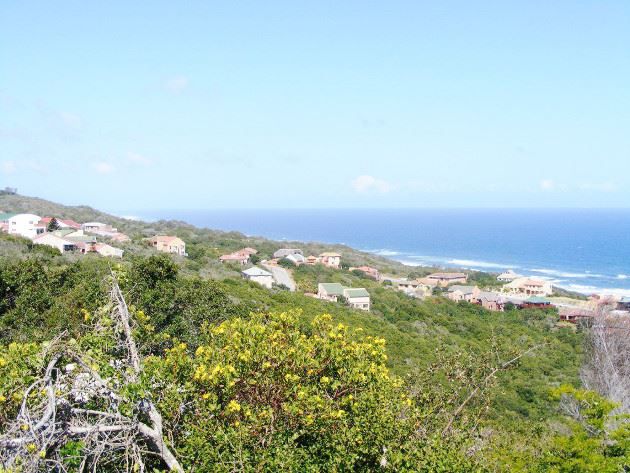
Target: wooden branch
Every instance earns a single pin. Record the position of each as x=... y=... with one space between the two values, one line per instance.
x=474 y=392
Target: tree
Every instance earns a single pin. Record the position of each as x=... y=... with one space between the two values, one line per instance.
x=77 y=403
x=600 y=438
x=52 y=225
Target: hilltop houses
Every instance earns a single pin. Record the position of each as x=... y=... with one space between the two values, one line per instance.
x=260 y=276
x=529 y=287
x=358 y=298
x=168 y=244
x=67 y=235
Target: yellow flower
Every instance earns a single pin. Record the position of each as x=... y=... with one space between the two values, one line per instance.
x=2 y=398
x=206 y=396
x=324 y=380
x=233 y=406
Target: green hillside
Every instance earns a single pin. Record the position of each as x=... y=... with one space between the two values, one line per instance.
x=438 y=355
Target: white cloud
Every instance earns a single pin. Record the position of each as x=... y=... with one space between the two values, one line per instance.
x=136 y=158
x=177 y=84
x=8 y=167
x=103 y=167
x=547 y=184
x=370 y=183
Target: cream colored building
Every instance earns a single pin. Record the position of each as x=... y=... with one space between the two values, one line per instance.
x=330 y=259
x=169 y=244
x=529 y=287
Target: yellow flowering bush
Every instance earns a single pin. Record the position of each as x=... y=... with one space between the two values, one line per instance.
x=284 y=398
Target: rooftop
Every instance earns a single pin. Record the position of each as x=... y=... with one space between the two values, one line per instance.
x=446 y=276
x=463 y=289
x=332 y=288
x=356 y=292
x=537 y=300
x=255 y=271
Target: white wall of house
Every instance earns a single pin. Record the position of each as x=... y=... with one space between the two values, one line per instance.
x=24 y=225
x=54 y=241
x=362 y=303
x=266 y=281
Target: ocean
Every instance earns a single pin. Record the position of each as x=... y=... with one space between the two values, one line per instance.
x=585 y=250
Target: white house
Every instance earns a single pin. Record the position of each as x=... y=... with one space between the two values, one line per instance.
x=55 y=241
x=25 y=225
x=284 y=252
x=296 y=258
x=260 y=276
x=357 y=297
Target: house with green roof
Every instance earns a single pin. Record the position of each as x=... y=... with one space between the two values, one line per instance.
x=329 y=291
x=357 y=297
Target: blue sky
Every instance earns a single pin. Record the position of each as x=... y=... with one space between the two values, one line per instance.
x=144 y=105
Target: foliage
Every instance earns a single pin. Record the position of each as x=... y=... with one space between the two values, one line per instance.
x=599 y=441
x=286 y=263
x=265 y=394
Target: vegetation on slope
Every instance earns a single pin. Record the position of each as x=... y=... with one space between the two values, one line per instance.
x=445 y=398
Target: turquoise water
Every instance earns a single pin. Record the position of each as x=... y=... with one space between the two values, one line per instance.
x=583 y=250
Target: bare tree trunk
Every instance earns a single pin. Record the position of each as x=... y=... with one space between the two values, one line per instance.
x=607 y=366
x=40 y=427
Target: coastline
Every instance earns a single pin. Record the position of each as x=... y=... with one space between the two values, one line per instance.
x=578 y=250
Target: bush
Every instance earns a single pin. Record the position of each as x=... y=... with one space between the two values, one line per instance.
x=279 y=399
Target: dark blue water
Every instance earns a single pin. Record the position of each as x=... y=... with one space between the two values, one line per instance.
x=584 y=250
